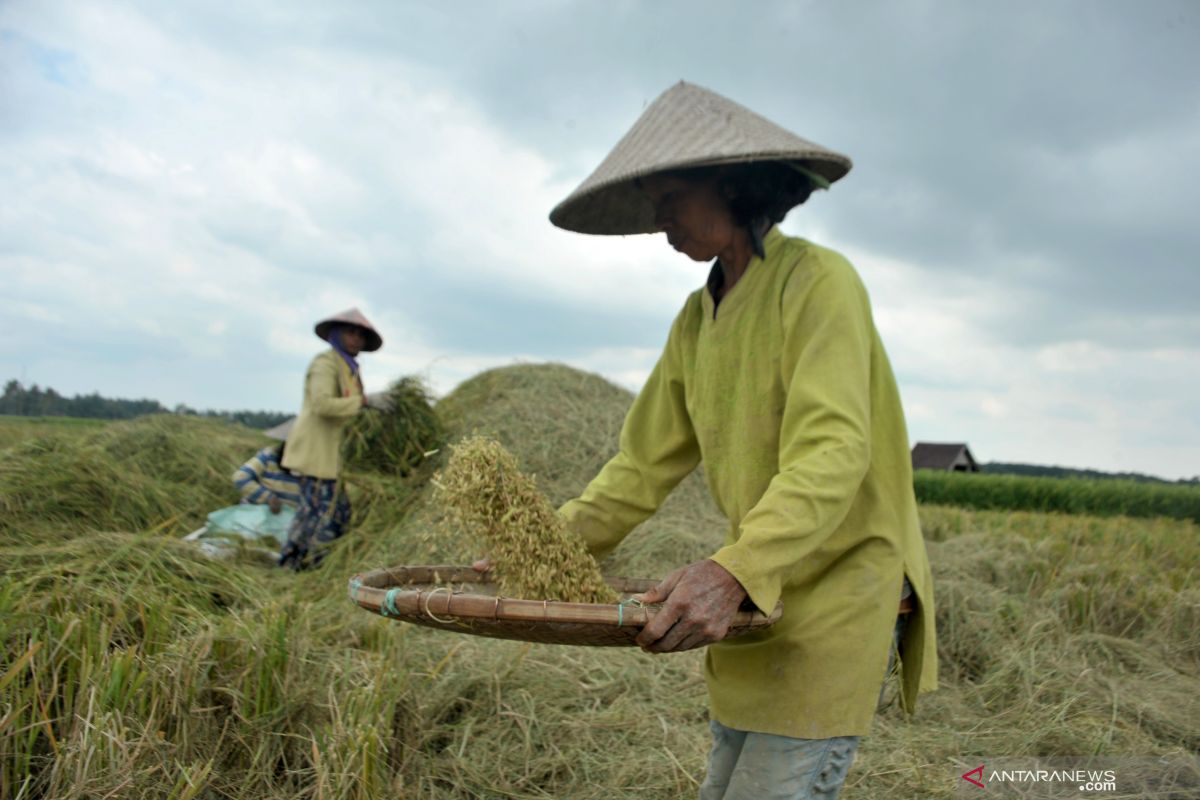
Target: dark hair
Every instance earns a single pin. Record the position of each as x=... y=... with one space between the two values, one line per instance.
x=759 y=194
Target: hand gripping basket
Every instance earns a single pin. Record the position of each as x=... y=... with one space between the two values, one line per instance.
x=457 y=598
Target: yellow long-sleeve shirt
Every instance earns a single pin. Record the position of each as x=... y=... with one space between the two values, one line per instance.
x=785 y=391
x=332 y=396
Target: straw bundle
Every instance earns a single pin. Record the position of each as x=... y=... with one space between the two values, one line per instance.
x=394 y=440
x=563 y=425
x=534 y=555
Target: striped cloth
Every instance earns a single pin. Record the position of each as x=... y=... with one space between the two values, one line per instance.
x=320 y=520
x=263 y=477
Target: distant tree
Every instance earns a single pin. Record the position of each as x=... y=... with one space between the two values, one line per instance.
x=10 y=402
x=1041 y=471
x=37 y=402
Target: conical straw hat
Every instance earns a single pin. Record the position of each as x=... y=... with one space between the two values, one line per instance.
x=687 y=126
x=281 y=431
x=351 y=316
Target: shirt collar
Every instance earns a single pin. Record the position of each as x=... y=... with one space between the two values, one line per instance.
x=716 y=275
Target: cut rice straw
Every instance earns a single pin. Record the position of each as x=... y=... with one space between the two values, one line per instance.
x=534 y=555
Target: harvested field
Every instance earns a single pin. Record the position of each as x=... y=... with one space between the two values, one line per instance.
x=15 y=429
x=563 y=425
x=161 y=471
x=132 y=667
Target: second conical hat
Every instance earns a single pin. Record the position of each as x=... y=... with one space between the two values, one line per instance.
x=351 y=316
x=687 y=126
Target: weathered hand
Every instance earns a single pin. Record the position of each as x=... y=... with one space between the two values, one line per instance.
x=699 y=603
x=482 y=565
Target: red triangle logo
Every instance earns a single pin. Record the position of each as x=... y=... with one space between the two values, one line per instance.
x=978 y=779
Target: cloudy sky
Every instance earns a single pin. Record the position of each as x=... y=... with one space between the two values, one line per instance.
x=186 y=187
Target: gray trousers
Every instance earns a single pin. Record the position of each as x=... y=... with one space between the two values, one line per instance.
x=762 y=766
x=744 y=765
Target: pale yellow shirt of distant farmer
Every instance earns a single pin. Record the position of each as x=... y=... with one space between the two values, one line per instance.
x=332 y=397
x=785 y=391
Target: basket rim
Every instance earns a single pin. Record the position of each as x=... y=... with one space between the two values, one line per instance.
x=443 y=602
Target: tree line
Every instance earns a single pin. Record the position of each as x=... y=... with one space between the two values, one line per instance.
x=1039 y=471
x=35 y=401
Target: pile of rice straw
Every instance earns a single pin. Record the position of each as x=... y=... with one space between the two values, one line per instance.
x=394 y=441
x=533 y=554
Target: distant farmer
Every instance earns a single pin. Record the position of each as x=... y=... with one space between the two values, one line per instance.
x=263 y=479
x=775 y=377
x=333 y=395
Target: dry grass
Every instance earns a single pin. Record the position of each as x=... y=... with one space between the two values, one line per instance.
x=1058 y=635
x=14 y=429
x=160 y=470
x=562 y=425
x=131 y=667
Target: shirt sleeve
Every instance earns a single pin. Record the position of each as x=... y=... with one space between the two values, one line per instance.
x=658 y=449
x=824 y=445
x=248 y=480
x=321 y=388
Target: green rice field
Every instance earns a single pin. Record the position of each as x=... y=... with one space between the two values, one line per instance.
x=1099 y=497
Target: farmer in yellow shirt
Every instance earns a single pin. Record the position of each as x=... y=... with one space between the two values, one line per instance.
x=775 y=377
x=333 y=395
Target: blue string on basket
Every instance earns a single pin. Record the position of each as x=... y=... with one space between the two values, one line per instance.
x=389 y=604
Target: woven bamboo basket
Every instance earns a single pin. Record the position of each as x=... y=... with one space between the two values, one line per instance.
x=457 y=598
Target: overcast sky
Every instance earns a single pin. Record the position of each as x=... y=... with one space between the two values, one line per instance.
x=186 y=187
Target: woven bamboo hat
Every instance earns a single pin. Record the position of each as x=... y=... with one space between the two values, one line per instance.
x=687 y=126
x=281 y=431
x=352 y=316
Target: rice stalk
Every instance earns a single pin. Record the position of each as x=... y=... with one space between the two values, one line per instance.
x=534 y=555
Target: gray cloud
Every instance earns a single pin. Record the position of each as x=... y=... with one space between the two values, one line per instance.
x=1057 y=147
